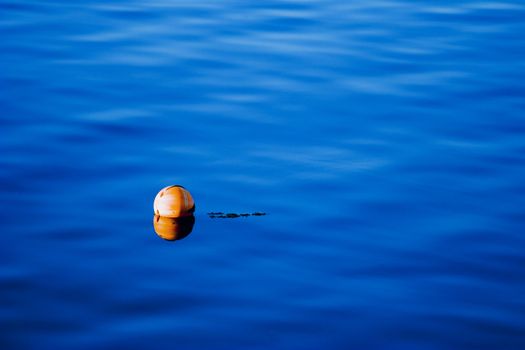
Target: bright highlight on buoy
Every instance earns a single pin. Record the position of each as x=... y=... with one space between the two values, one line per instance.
x=174 y=202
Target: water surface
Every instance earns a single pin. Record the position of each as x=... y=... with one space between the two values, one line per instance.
x=385 y=140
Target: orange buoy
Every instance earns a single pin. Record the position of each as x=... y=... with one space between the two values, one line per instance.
x=172 y=229
x=174 y=202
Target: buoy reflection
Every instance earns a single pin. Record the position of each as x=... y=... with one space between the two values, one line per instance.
x=173 y=229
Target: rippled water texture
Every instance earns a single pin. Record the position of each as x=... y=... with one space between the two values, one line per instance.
x=384 y=139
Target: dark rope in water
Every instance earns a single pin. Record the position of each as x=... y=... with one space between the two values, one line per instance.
x=220 y=215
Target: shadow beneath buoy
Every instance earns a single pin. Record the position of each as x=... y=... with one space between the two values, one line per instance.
x=173 y=229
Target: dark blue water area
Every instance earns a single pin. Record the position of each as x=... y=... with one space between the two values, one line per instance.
x=385 y=140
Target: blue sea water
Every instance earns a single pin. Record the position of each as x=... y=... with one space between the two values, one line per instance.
x=385 y=139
